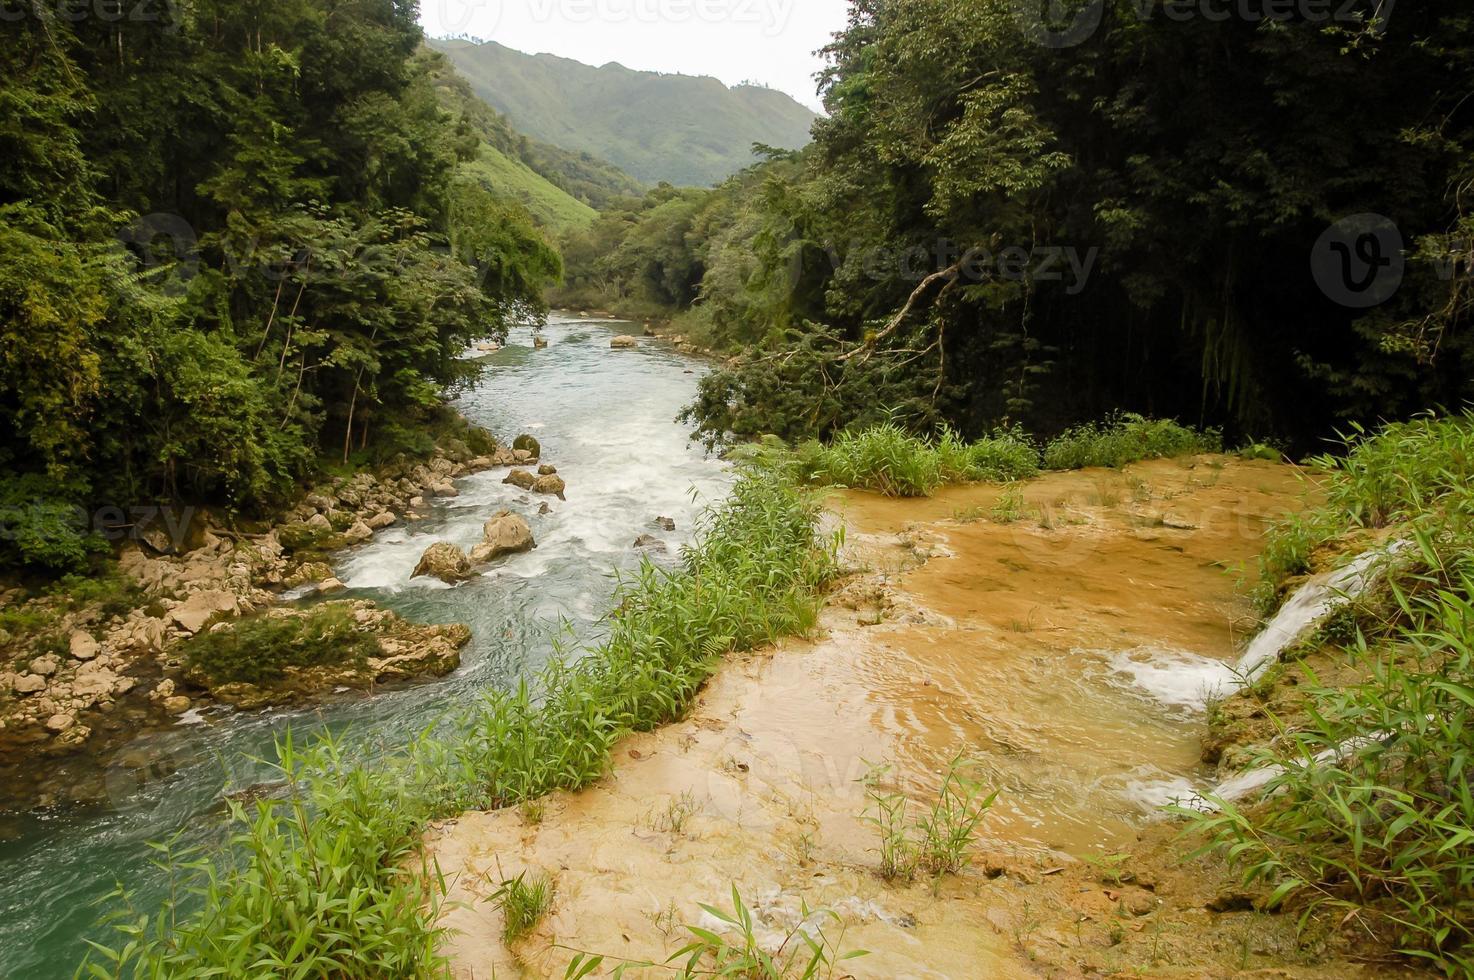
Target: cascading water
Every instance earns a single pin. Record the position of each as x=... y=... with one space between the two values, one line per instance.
x=605 y=418
x=1186 y=680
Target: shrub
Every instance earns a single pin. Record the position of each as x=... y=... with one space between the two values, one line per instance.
x=260 y=649
x=1126 y=438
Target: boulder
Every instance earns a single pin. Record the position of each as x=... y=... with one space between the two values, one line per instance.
x=538 y=343
x=444 y=488
x=445 y=562
x=319 y=522
x=552 y=485
x=331 y=584
x=505 y=534
x=544 y=509
x=664 y=523
x=60 y=722
x=192 y=614
x=647 y=542
x=84 y=645
x=547 y=469
x=529 y=444
x=176 y=705
x=623 y=342
x=381 y=520
x=521 y=479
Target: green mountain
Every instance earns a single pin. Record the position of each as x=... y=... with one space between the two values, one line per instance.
x=690 y=131
x=561 y=189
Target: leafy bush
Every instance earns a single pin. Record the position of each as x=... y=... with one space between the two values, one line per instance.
x=40 y=528
x=260 y=649
x=1127 y=438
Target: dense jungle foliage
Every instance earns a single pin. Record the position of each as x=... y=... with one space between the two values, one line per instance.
x=233 y=243
x=1147 y=203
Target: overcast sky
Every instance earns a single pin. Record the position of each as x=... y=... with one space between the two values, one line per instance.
x=767 y=41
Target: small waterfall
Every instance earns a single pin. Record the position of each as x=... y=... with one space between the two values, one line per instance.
x=1315 y=600
x=1186 y=680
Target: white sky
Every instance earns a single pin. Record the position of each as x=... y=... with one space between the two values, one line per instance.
x=767 y=41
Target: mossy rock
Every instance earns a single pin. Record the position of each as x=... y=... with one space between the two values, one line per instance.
x=528 y=443
x=300 y=536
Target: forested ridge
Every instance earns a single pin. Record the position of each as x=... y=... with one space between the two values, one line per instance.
x=234 y=246
x=1142 y=204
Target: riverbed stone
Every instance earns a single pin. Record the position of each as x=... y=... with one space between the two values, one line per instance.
x=446 y=562
x=381 y=520
x=521 y=479
x=29 y=684
x=505 y=534
x=331 y=584
x=45 y=666
x=83 y=645
x=623 y=342
x=60 y=722
x=648 y=542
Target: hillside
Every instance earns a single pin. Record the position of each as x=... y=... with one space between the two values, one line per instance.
x=690 y=131
x=560 y=188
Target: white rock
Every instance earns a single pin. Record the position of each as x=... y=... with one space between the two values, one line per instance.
x=60 y=722
x=83 y=645
x=45 y=666
x=193 y=613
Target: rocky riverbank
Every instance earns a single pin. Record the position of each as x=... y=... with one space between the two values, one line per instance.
x=95 y=661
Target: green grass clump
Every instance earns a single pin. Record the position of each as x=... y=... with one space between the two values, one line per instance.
x=328 y=882
x=260 y=649
x=523 y=902
x=1127 y=438
x=889 y=460
x=884 y=458
x=1419 y=471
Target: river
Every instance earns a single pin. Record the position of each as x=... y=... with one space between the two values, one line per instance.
x=605 y=418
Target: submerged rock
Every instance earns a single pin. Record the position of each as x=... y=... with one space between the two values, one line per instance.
x=445 y=562
x=664 y=523
x=648 y=542
x=505 y=534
